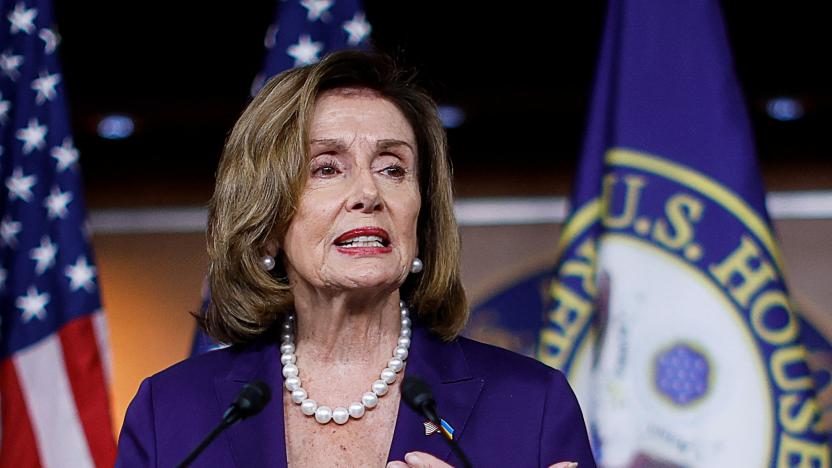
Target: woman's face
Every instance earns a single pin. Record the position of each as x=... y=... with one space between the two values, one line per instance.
x=355 y=226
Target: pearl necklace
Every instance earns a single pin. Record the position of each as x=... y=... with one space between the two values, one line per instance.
x=324 y=414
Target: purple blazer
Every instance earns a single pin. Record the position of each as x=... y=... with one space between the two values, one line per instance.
x=506 y=409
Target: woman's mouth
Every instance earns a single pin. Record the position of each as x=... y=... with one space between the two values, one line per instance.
x=364 y=240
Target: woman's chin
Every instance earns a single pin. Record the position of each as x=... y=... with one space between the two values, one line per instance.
x=368 y=267
x=374 y=283
x=366 y=279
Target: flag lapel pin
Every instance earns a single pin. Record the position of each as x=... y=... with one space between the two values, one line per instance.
x=446 y=429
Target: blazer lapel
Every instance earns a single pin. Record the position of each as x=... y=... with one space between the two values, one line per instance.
x=259 y=440
x=442 y=366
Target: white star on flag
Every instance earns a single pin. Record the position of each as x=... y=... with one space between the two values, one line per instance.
x=316 y=9
x=81 y=275
x=305 y=52
x=22 y=19
x=32 y=136
x=20 y=186
x=32 y=305
x=45 y=84
x=357 y=28
x=56 y=203
x=66 y=154
x=4 y=111
x=9 y=229
x=50 y=40
x=10 y=64
x=44 y=255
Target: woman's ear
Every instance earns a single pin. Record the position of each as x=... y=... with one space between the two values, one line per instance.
x=271 y=248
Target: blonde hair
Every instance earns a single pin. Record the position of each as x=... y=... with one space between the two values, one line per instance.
x=262 y=172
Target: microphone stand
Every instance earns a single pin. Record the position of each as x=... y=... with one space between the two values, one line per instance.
x=223 y=425
x=451 y=443
x=250 y=401
x=417 y=395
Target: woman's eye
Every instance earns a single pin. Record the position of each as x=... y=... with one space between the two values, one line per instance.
x=395 y=171
x=325 y=170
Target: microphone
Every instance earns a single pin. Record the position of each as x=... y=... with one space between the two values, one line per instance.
x=251 y=400
x=254 y=396
x=417 y=394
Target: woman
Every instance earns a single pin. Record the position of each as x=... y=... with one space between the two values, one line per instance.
x=332 y=210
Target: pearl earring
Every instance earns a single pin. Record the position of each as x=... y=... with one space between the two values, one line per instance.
x=416 y=265
x=267 y=262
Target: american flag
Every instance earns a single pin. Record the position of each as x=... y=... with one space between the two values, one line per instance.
x=305 y=30
x=53 y=350
x=302 y=33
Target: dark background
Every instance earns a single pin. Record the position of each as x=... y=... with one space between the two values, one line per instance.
x=521 y=72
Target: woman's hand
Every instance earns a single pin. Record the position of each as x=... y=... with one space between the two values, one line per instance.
x=419 y=460
x=424 y=460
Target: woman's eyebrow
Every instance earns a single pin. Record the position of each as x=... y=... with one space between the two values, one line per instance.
x=334 y=143
x=340 y=145
x=392 y=143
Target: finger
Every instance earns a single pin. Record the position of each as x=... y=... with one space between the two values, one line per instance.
x=564 y=464
x=424 y=460
x=397 y=464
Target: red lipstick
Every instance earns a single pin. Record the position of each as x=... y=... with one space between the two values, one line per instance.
x=367 y=240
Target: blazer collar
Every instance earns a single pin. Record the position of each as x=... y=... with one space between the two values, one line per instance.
x=443 y=367
x=260 y=440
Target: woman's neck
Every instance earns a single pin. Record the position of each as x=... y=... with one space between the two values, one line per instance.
x=347 y=327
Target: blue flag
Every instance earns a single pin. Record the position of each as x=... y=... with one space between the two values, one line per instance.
x=306 y=30
x=53 y=340
x=302 y=33
x=669 y=310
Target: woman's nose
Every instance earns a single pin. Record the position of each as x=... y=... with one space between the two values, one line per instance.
x=364 y=197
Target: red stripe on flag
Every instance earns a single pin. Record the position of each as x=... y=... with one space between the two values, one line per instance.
x=17 y=440
x=89 y=389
